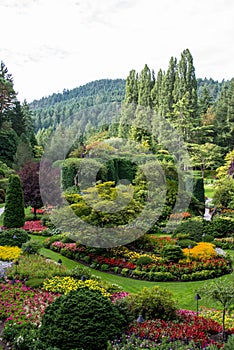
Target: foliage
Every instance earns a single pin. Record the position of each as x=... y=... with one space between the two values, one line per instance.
x=193 y=227
x=14 y=237
x=184 y=243
x=220 y=226
x=90 y=317
x=152 y=303
x=31 y=247
x=29 y=175
x=222 y=292
x=172 y=253
x=14 y=208
x=224 y=193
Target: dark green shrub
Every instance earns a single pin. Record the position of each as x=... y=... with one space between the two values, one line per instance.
x=207 y=238
x=14 y=237
x=2 y=195
x=144 y=260
x=79 y=271
x=220 y=227
x=68 y=253
x=82 y=319
x=193 y=227
x=198 y=189
x=142 y=243
x=184 y=243
x=31 y=247
x=14 y=207
x=172 y=253
x=152 y=303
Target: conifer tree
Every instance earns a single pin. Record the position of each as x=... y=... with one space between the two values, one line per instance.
x=129 y=105
x=185 y=92
x=14 y=206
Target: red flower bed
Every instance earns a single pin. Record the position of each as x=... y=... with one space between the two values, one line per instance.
x=38 y=211
x=115 y=262
x=33 y=226
x=191 y=327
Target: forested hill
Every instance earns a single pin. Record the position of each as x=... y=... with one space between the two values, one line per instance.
x=57 y=107
x=51 y=110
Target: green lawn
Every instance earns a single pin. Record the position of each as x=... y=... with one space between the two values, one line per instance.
x=209 y=190
x=184 y=292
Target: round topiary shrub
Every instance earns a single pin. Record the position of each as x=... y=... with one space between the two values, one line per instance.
x=144 y=260
x=82 y=319
x=14 y=237
x=152 y=303
x=172 y=253
x=184 y=243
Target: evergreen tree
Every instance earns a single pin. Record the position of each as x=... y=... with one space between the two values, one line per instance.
x=7 y=93
x=131 y=92
x=144 y=87
x=129 y=105
x=141 y=127
x=167 y=103
x=14 y=206
x=156 y=92
x=220 y=120
x=185 y=89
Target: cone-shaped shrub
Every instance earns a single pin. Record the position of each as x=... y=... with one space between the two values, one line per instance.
x=14 y=208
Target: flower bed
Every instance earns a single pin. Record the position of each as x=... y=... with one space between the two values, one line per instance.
x=22 y=304
x=125 y=262
x=9 y=253
x=34 y=226
x=190 y=328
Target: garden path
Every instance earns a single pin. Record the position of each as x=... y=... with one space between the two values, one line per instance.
x=207 y=215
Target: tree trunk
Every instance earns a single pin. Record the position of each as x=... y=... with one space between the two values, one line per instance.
x=34 y=214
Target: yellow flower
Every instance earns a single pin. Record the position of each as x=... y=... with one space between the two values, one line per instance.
x=8 y=253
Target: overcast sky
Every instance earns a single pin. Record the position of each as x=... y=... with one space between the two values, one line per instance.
x=49 y=45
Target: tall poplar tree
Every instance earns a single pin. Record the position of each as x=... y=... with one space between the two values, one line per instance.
x=129 y=105
x=141 y=128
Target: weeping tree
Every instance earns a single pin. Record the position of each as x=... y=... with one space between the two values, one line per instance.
x=14 y=215
x=221 y=291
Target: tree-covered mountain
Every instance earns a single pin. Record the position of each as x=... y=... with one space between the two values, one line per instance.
x=50 y=111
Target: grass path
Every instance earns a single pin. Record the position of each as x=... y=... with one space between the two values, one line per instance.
x=184 y=292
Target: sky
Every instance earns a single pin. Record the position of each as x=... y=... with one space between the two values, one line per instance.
x=51 y=45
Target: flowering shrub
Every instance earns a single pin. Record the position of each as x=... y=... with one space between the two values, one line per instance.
x=9 y=253
x=118 y=295
x=201 y=251
x=33 y=226
x=64 y=285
